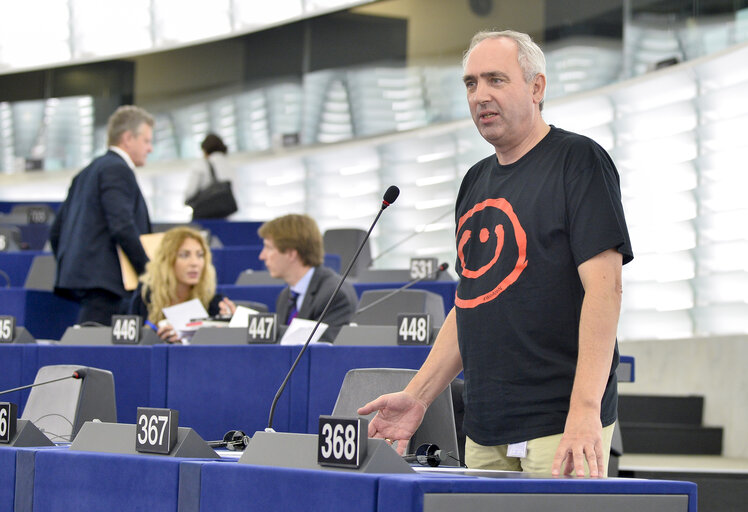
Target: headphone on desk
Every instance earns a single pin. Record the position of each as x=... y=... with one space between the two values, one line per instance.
x=234 y=440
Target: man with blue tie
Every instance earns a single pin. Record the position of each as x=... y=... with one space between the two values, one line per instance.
x=293 y=251
x=104 y=209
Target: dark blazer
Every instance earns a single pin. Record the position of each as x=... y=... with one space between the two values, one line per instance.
x=323 y=283
x=104 y=208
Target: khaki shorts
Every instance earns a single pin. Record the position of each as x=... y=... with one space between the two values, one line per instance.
x=539 y=458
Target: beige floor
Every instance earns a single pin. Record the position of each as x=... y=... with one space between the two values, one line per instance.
x=683 y=463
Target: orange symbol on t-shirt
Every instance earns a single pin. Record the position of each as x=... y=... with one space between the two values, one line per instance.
x=483 y=236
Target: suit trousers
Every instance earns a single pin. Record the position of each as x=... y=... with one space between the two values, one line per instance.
x=98 y=305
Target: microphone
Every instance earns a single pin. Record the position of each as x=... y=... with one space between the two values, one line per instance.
x=426 y=455
x=440 y=268
x=389 y=197
x=80 y=373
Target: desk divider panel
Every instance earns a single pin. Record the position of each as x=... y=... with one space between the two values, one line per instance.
x=17 y=264
x=242 y=487
x=32 y=308
x=19 y=366
x=66 y=480
x=7 y=478
x=231 y=261
x=265 y=293
x=222 y=388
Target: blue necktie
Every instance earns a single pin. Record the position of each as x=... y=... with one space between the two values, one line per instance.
x=292 y=311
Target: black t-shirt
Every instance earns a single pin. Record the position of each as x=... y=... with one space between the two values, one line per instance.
x=522 y=231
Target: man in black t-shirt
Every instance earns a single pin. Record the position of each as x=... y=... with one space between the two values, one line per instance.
x=541 y=239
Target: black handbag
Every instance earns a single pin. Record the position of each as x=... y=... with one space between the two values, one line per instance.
x=216 y=201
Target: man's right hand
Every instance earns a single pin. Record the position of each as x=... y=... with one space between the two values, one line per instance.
x=400 y=415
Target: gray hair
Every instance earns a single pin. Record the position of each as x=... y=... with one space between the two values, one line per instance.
x=126 y=118
x=529 y=55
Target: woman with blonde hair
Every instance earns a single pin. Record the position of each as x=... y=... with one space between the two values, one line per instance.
x=181 y=270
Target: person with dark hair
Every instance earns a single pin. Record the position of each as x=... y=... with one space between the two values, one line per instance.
x=293 y=251
x=541 y=238
x=104 y=209
x=214 y=154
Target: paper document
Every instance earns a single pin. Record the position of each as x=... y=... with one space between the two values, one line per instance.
x=299 y=329
x=241 y=316
x=182 y=314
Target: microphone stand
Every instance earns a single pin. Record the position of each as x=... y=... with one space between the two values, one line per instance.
x=75 y=375
x=385 y=203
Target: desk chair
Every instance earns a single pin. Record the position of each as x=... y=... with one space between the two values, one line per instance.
x=59 y=409
x=405 y=301
x=345 y=242
x=363 y=385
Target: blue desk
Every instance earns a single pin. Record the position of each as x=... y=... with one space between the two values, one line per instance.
x=230 y=488
x=7 y=477
x=19 y=368
x=102 y=481
x=17 y=265
x=66 y=480
x=233 y=232
x=222 y=388
x=43 y=313
x=6 y=206
x=231 y=261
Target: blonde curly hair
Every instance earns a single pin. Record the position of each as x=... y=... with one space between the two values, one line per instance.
x=160 y=281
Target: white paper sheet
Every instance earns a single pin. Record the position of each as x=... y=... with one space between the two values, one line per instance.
x=241 y=316
x=299 y=329
x=181 y=314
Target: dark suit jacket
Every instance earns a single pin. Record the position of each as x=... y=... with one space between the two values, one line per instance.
x=104 y=208
x=320 y=289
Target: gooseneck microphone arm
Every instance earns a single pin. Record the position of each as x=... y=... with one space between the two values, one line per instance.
x=389 y=197
x=78 y=374
x=441 y=268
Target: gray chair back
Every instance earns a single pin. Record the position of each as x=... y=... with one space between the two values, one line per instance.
x=405 y=301
x=249 y=277
x=345 y=242
x=362 y=385
x=59 y=409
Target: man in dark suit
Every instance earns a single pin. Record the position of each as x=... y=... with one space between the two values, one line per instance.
x=104 y=209
x=292 y=251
